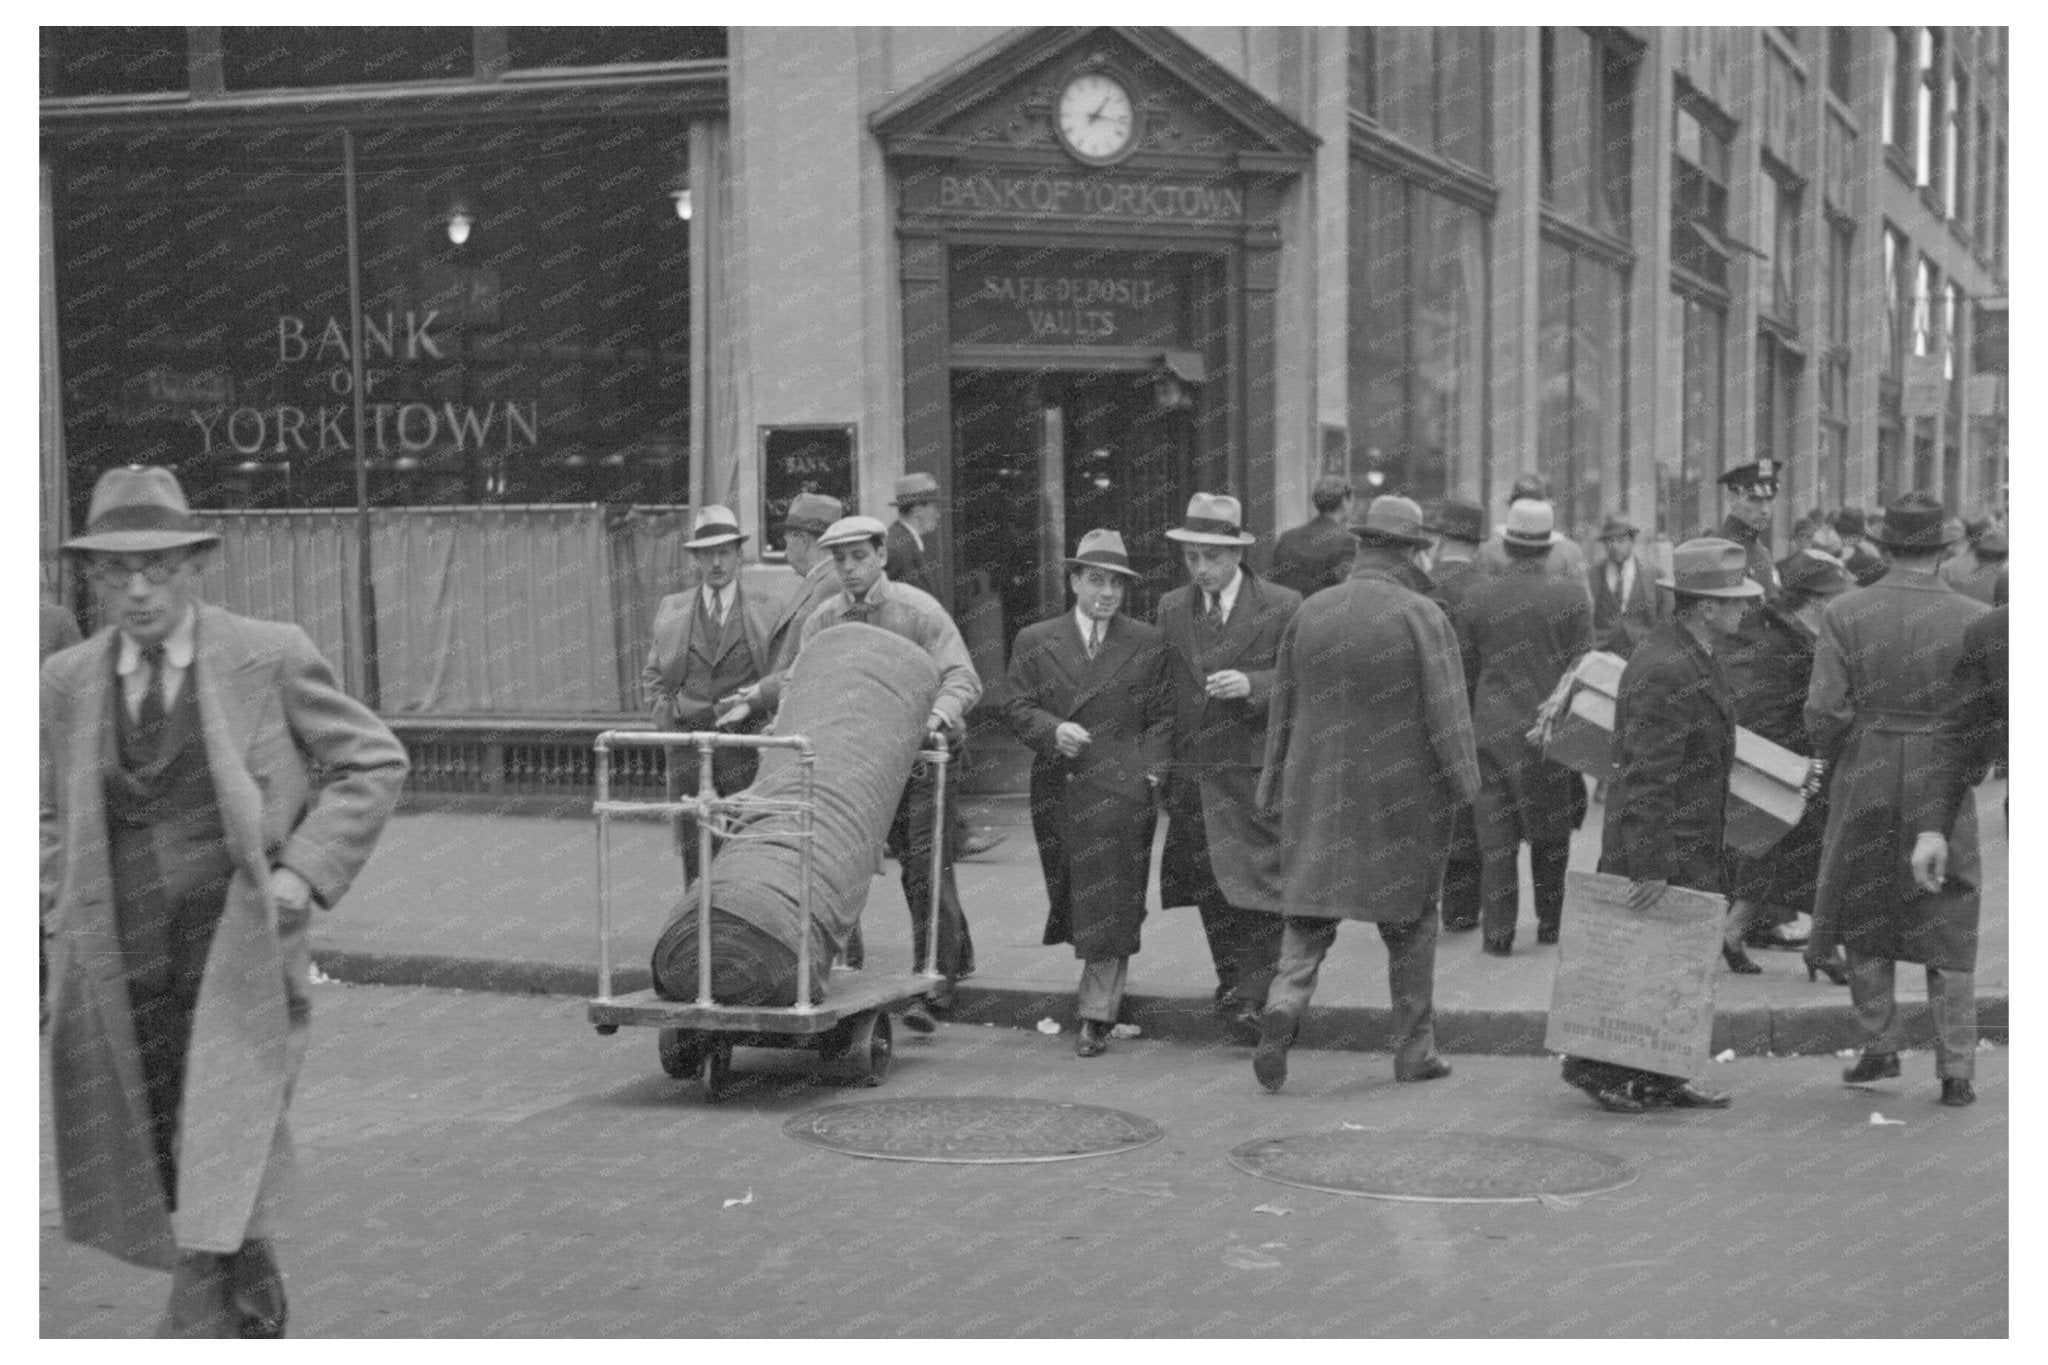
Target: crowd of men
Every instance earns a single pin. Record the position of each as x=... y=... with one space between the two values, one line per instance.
x=1355 y=737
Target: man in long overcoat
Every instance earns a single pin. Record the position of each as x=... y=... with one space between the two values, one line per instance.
x=205 y=784
x=1972 y=741
x=1222 y=854
x=1454 y=572
x=1667 y=809
x=1526 y=627
x=1090 y=694
x=1316 y=554
x=1881 y=681
x=709 y=643
x=1369 y=754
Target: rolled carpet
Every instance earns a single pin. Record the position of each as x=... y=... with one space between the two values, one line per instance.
x=861 y=694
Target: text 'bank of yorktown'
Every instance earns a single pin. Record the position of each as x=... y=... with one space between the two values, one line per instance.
x=447 y=329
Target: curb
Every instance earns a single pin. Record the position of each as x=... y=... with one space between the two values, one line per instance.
x=1756 y=1031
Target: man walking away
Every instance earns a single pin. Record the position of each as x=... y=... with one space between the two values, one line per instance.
x=1317 y=554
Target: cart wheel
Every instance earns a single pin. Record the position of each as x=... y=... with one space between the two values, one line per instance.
x=682 y=1052
x=714 y=1072
x=869 y=1048
x=607 y=1030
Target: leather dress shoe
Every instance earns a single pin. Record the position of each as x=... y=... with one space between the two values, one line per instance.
x=1690 y=1096
x=256 y=1292
x=1872 y=1066
x=1546 y=936
x=1956 y=1091
x=1496 y=948
x=1244 y=1023
x=1269 y=1059
x=1434 y=1070
x=974 y=845
x=1460 y=926
x=917 y=1017
x=1094 y=1039
x=1618 y=1099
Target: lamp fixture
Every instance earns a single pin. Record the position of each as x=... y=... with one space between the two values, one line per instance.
x=460 y=221
x=684 y=208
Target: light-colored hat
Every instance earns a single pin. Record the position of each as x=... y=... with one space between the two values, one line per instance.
x=1213 y=519
x=1102 y=549
x=1531 y=526
x=913 y=489
x=812 y=512
x=847 y=530
x=1711 y=567
x=137 y=510
x=714 y=525
x=1392 y=519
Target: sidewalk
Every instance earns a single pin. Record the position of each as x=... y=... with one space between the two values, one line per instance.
x=508 y=904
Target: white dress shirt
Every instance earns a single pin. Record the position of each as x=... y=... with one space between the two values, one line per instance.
x=1225 y=600
x=718 y=601
x=1626 y=572
x=177 y=659
x=1088 y=626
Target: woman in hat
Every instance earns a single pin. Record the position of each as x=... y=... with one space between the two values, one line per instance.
x=1674 y=738
x=1769 y=681
x=1091 y=696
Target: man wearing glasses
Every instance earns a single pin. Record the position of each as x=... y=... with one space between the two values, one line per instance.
x=205 y=784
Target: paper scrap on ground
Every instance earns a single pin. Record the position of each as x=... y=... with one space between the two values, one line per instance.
x=1156 y=1190
x=1726 y=1054
x=748 y=1199
x=1245 y=1258
x=1125 y=1031
x=1556 y=1203
x=1878 y=1120
x=1271 y=1208
x=1048 y=1026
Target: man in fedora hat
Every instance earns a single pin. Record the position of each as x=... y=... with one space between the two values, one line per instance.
x=1317 y=553
x=1865 y=565
x=1881 y=685
x=917 y=520
x=1459 y=526
x=1091 y=695
x=206 y=783
x=868 y=596
x=1567 y=559
x=1754 y=487
x=1527 y=627
x=1626 y=603
x=1368 y=757
x=1222 y=853
x=807 y=519
x=1769 y=682
x=709 y=643
x=1667 y=808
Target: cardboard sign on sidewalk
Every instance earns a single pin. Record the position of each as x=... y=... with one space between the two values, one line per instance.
x=1635 y=987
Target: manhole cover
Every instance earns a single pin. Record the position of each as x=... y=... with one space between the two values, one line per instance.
x=979 y=1131
x=1451 y=1168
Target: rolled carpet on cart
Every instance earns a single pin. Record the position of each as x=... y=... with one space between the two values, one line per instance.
x=862 y=695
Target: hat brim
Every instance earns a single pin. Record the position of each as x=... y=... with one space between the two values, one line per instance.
x=1098 y=564
x=1749 y=587
x=915 y=500
x=713 y=542
x=139 y=542
x=1210 y=538
x=1512 y=544
x=1915 y=546
x=1377 y=536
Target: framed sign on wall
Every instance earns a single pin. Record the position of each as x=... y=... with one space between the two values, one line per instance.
x=802 y=459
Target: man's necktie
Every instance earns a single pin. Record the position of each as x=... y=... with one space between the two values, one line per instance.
x=1213 y=613
x=857 y=611
x=1614 y=582
x=1094 y=638
x=149 y=718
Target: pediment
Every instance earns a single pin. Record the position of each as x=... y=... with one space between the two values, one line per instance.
x=998 y=104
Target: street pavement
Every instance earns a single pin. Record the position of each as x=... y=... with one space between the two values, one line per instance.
x=487 y=1165
x=508 y=903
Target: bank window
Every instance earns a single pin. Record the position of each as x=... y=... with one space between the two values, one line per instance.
x=1429 y=86
x=1700 y=420
x=1417 y=336
x=1587 y=126
x=524 y=333
x=1582 y=360
x=1699 y=195
x=1777 y=278
x=271 y=58
x=111 y=60
x=532 y=46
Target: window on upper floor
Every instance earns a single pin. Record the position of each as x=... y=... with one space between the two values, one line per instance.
x=530 y=46
x=1898 y=91
x=111 y=61
x=1896 y=294
x=272 y=58
x=1926 y=284
x=1699 y=193
x=1841 y=50
x=1955 y=147
x=1588 y=101
x=1927 y=114
x=1428 y=86
x=1841 y=247
x=1777 y=278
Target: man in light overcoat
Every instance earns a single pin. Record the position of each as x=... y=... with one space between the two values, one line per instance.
x=1369 y=755
x=1090 y=694
x=1876 y=709
x=1222 y=853
x=206 y=783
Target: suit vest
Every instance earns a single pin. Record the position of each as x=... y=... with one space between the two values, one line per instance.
x=174 y=786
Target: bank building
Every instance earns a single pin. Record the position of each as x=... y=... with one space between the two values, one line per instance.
x=447 y=329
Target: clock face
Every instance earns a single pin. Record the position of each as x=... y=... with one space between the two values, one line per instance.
x=1096 y=118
